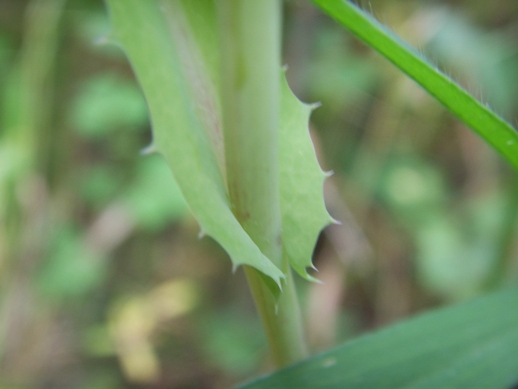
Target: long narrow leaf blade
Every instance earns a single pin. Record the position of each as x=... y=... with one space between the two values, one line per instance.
x=473 y=345
x=496 y=131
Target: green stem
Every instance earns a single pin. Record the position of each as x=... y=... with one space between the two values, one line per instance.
x=281 y=319
x=251 y=36
x=27 y=108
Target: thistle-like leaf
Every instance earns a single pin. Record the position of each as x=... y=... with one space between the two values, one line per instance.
x=174 y=62
x=301 y=183
x=173 y=48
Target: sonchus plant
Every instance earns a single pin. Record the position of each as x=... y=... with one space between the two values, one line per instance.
x=236 y=139
x=237 y=142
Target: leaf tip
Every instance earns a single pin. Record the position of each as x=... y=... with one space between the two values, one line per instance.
x=302 y=271
x=102 y=40
x=315 y=105
x=313 y=279
x=148 y=150
x=106 y=40
x=332 y=220
x=329 y=173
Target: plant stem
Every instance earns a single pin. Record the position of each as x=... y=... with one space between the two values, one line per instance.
x=251 y=37
x=282 y=325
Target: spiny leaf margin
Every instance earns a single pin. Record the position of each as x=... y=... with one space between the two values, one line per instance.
x=303 y=210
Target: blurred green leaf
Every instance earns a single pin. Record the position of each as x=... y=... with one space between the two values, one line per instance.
x=98 y=342
x=455 y=254
x=154 y=198
x=412 y=188
x=234 y=343
x=466 y=346
x=448 y=264
x=455 y=248
x=337 y=74
x=71 y=269
x=99 y=184
x=106 y=103
x=102 y=378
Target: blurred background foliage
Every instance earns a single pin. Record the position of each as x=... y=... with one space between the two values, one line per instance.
x=104 y=282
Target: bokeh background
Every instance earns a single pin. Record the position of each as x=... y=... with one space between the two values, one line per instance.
x=104 y=282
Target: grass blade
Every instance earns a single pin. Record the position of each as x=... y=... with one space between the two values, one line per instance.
x=496 y=131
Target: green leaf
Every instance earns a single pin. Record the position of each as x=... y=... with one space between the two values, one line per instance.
x=180 y=85
x=232 y=342
x=304 y=213
x=466 y=346
x=72 y=269
x=496 y=131
x=169 y=62
x=154 y=199
x=108 y=102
